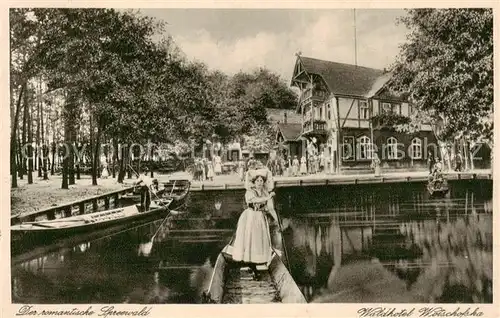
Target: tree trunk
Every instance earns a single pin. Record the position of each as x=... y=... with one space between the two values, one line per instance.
x=13 y=140
x=122 y=162
x=54 y=148
x=65 y=184
x=114 y=157
x=20 y=156
x=70 y=118
x=97 y=156
x=24 y=163
x=151 y=161
x=129 y=163
x=30 y=138
x=78 y=161
x=45 y=159
x=71 y=160
x=39 y=153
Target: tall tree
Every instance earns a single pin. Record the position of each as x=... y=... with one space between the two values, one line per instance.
x=446 y=70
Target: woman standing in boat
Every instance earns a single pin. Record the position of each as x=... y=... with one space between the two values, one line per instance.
x=252 y=242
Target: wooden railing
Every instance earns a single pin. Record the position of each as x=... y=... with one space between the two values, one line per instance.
x=317 y=126
x=88 y=205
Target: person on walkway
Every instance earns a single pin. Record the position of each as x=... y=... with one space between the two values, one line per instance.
x=322 y=164
x=105 y=173
x=198 y=170
x=295 y=166
x=303 y=165
x=145 y=182
x=458 y=162
x=241 y=170
x=376 y=164
x=206 y=162
x=252 y=241
x=217 y=165
x=210 y=170
x=431 y=162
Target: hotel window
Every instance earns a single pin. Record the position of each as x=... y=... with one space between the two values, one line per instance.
x=386 y=108
x=364 y=148
x=392 y=148
x=364 y=112
x=416 y=148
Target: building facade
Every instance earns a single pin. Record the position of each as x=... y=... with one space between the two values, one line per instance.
x=348 y=111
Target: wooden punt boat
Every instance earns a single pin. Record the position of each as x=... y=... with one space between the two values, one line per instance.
x=438 y=187
x=45 y=231
x=230 y=279
x=232 y=282
x=176 y=190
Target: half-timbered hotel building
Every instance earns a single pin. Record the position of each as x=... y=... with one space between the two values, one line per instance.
x=339 y=104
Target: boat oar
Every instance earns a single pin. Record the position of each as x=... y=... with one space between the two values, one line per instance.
x=147 y=247
x=282 y=239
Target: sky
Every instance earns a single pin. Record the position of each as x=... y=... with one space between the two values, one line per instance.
x=244 y=39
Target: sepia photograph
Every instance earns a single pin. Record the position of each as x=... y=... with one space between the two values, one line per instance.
x=251 y=156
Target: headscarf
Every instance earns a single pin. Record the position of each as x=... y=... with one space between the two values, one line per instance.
x=264 y=172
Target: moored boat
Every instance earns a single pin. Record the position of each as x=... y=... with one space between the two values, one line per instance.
x=45 y=231
x=437 y=186
x=176 y=190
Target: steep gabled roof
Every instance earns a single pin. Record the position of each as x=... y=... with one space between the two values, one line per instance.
x=343 y=79
x=290 y=132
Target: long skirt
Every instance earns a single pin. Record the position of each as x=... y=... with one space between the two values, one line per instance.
x=217 y=168
x=252 y=242
x=303 y=168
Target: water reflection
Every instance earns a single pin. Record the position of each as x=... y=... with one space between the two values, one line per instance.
x=344 y=244
x=160 y=262
x=407 y=248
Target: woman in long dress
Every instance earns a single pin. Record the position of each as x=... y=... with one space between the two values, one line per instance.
x=303 y=165
x=105 y=173
x=217 y=165
x=295 y=166
x=210 y=171
x=252 y=241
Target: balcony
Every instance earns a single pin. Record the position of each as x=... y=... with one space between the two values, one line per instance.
x=389 y=120
x=314 y=128
x=312 y=95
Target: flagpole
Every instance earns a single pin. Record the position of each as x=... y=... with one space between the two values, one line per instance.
x=355 y=40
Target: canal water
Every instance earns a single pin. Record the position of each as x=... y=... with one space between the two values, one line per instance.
x=352 y=243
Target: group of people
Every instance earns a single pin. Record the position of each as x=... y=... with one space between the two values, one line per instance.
x=294 y=167
x=205 y=169
x=252 y=244
x=434 y=161
x=312 y=165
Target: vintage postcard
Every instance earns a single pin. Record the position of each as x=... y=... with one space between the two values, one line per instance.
x=224 y=160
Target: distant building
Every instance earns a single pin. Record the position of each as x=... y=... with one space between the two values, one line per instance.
x=337 y=104
x=288 y=127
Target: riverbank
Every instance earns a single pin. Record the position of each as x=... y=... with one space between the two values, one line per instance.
x=46 y=193
x=233 y=181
